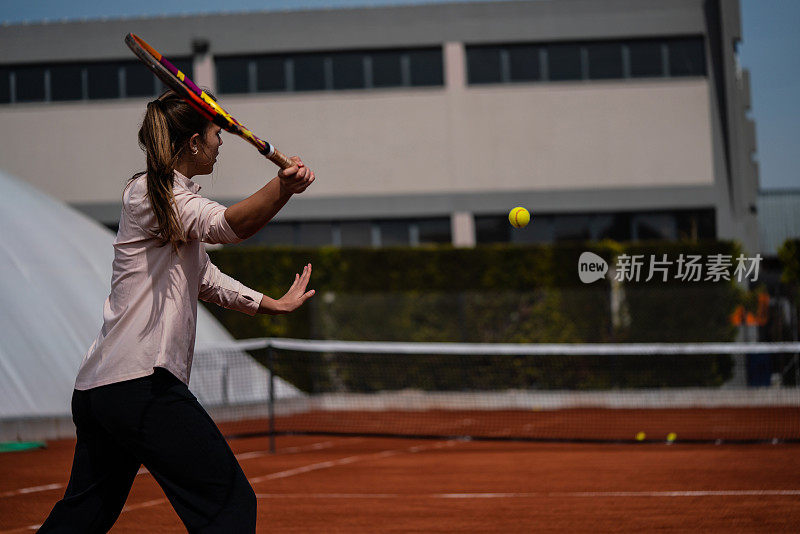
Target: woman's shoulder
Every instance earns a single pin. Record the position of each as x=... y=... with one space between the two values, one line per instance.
x=135 y=190
x=136 y=202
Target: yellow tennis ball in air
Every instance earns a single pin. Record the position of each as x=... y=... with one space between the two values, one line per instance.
x=640 y=436
x=519 y=217
x=672 y=436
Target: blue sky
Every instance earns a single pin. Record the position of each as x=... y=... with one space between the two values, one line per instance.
x=770 y=41
x=769 y=50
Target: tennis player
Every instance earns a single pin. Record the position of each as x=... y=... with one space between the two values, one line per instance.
x=131 y=405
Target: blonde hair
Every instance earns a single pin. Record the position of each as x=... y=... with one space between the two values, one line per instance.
x=169 y=123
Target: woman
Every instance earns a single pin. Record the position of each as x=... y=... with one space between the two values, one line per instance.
x=131 y=404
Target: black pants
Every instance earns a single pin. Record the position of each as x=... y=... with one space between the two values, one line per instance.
x=157 y=422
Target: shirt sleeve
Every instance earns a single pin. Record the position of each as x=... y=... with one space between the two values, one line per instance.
x=203 y=219
x=219 y=288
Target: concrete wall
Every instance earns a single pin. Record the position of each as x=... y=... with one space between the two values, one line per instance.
x=501 y=138
x=321 y=29
x=559 y=147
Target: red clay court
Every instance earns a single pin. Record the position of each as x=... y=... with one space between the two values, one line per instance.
x=323 y=484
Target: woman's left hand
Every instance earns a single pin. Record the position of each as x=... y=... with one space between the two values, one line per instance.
x=293 y=299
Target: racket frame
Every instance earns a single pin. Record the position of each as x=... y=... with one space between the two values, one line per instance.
x=201 y=101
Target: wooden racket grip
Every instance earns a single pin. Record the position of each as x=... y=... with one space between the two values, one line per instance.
x=280 y=160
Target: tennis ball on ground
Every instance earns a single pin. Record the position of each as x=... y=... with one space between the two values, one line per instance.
x=519 y=217
x=672 y=436
x=640 y=436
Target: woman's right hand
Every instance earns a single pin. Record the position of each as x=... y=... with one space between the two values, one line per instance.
x=297 y=178
x=293 y=299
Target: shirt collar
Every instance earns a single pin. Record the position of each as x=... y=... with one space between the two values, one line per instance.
x=187 y=182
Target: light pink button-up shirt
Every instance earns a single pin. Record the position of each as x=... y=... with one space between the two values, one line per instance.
x=149 y=319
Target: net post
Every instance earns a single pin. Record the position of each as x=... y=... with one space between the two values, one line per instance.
x=271 y=370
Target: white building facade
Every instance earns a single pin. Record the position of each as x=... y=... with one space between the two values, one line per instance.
x=622 y=119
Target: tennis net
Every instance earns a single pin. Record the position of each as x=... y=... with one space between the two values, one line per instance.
x=687 y=392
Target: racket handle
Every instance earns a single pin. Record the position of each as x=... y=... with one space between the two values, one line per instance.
x=280 y=160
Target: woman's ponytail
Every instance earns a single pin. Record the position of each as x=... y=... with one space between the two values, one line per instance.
x=168 y=124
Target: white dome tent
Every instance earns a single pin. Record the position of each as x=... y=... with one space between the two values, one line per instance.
x=55 y=272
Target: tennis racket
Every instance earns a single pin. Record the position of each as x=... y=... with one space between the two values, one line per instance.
x=199 y=99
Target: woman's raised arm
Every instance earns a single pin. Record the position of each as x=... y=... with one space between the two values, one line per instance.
x=251 y=214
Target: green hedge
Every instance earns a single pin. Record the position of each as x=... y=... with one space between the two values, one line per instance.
x=789 y=255
x=363 y=373
x=679 y=311
x=496 y=293
x=490 y=294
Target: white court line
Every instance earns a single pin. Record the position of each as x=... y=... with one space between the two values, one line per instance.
x=312 y=447
x=699 y=493
x=583 y=494
x=145 y=504
x=591 y=494
x=283 y=474
x=303 y=448
x=290 y=450
x=128 y=508
x=20 y=529
x=317 y=446
x=143 y=470
x=345 y=461
x=307 y=468
x=34 y=489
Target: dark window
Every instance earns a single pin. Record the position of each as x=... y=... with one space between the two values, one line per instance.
x=386 y=70
x=523 y=61
x=271 y=73
x=483 y=64
x=233 y=75
x=276 y=233
x=707 y=224
x=66 y=82
x=434 y=231
x=564 y=62
x=103 y=80
x=571 y=228
x=139 y=81
x=356 y=233
x=645 y=57
x=654 y=226
x=314 y=234
x=394 y=233
x=185 y=65
x=605 y=60
x=695 y=225
x=30 y=84
x=539 y=230
x=426 y=67
x=616 y=226
x=348 y=71
x=309 y=72
x=5 y=86
x=686 y=57
x=492 y=229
